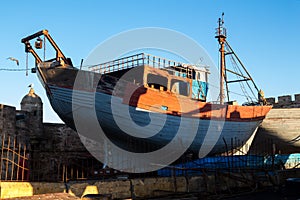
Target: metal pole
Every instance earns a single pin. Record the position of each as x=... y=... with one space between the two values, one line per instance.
x=3 y=138
x=13 y=161
x=7 y=157
x=19 y=154
x=221 y=39
x=23 y=164
x=222 y=70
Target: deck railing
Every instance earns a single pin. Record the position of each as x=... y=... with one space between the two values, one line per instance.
x=134 y=61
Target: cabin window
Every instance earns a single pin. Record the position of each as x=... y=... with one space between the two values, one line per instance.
x=180 y=87
x=157 y=82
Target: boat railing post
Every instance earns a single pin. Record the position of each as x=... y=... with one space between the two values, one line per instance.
x=132 y=61
x=137 y=60
x=127 y=63
x=158 y=62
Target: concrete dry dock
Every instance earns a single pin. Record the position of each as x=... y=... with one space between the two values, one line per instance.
x=54 y=196
x=207 y=186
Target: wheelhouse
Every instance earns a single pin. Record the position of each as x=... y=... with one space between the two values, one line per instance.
x=159 y=74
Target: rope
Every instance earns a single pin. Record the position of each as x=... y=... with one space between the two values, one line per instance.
x=26 y=64
x=14 y=70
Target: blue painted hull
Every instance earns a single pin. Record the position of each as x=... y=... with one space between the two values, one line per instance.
x=232 y=135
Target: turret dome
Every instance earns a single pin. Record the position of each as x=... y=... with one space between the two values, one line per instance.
x=31 y=101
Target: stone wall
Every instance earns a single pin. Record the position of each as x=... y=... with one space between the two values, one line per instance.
x=285 y=101
x=52 y=147
x=59 y=149
x=62 y=138
x=7 y=120
x=281 y=127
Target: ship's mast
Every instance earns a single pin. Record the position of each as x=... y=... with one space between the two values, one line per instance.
x=241 y=73
x=221 y=35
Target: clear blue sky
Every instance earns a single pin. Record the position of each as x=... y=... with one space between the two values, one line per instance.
x=264 y=34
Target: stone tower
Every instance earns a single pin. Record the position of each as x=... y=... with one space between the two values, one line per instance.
x=33 y=107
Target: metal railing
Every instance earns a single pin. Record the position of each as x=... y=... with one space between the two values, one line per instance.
x=14 y=160
x=135 y=61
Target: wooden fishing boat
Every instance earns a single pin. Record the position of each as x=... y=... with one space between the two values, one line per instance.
x=129 y=93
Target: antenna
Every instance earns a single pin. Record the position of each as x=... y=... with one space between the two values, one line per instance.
x=222 y=18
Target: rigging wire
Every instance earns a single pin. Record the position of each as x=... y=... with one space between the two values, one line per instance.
x=239 y=94
x=242 y=86
x=250 y=88
x=238 y=70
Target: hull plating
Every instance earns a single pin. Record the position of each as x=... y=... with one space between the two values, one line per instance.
x=222 y=133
